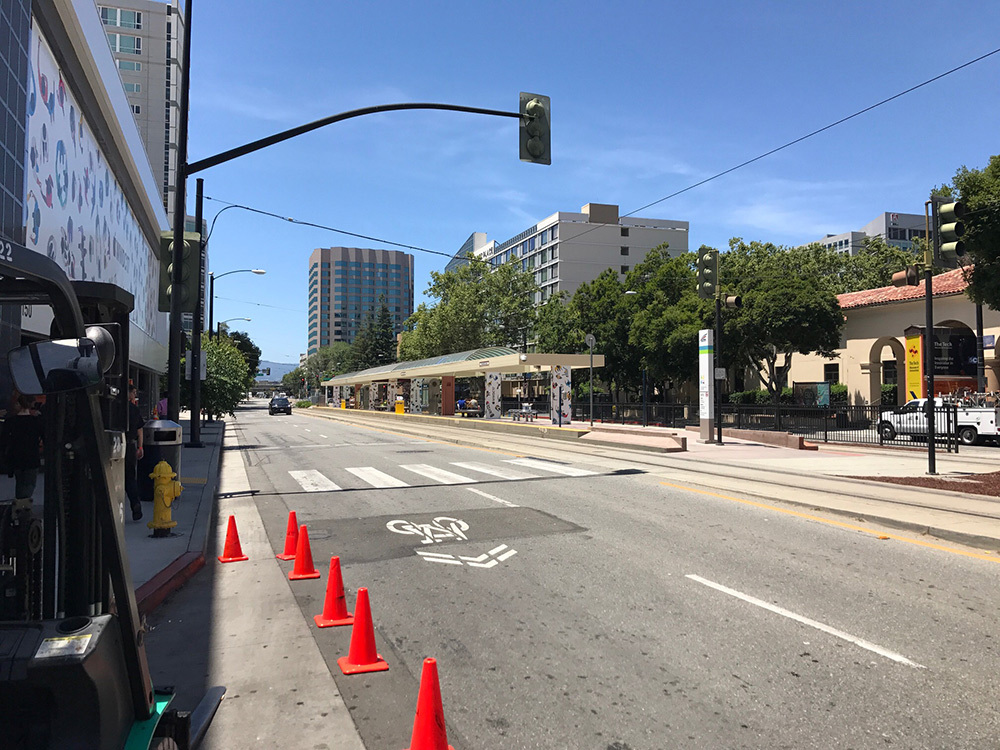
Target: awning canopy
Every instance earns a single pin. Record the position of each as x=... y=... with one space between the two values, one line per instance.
x=468 y=364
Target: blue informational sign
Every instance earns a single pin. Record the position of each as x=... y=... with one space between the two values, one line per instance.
x=989 y=341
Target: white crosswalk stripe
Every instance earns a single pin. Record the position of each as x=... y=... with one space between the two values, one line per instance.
x=534 y=463
x=312 y=481
x=494 y=471
x=376 y=478
x=438 y=475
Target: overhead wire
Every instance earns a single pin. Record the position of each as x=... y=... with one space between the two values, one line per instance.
x=674 y=194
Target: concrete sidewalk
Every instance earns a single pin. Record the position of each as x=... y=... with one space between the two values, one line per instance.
x=160 y=565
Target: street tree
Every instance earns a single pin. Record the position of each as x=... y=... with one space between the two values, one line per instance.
x=250 y=351
x=667 y=314
x=557 y=327
x=979 y=190
x=476 y=306
x=603 y=309
x=784 y=311
x=225 y=375
x=383 y=338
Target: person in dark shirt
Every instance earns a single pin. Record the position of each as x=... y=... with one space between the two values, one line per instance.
x=22 y=433
x=133 y=452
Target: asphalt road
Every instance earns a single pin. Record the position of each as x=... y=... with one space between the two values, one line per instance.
x=576 y=606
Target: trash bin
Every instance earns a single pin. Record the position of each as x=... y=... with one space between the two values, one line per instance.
x=161 y=441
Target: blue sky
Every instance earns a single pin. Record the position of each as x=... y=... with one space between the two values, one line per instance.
x=647 y=99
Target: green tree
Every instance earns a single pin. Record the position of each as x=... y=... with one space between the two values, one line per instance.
x=383 y=344
x=250 y=351
x=784 y=311
x=291 y=382
x=361 y=353
x=322 y=365
x=603 y=309
x=477 y=306
x=557 y=327
x=225 y=375
x=667 y=314
x=979 y=190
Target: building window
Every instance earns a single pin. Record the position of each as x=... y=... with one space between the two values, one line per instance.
x=624 y=269
x=125 y=44
x=831 y=372
x=136 y=109
x=126 y=19
x=624 y=231
x=624 y=250
x=133 y=88
x=133 y=65
x=889 y=376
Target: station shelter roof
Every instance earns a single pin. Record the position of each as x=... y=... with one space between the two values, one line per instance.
x=473 y=363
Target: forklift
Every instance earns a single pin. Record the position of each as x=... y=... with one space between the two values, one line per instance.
x=73 y=668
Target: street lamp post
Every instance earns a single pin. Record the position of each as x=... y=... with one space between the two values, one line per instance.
x=227 y=320
x=211 y=292
x=590 y=343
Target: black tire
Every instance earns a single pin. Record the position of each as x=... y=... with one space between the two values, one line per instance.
x=968 y=435
x=886 y=431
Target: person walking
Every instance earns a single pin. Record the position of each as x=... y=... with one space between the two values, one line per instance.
x=133 y=452
x=22 y=440
x=161 y=406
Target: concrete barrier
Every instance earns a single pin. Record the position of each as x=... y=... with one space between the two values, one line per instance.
x=769 y=437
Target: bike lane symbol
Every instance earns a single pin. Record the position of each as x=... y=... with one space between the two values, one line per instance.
x=441 y=529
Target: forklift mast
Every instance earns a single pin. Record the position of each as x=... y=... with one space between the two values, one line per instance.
x=73 y=669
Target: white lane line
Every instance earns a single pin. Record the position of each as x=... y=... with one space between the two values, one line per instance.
x=534 y=463
x=439 y=557
x=312 y=481
x=308 y=430
x=438 y=475
x=493 y=471
x=811 y=623
x=376 y=478
x=492 y=497
x=323 y=436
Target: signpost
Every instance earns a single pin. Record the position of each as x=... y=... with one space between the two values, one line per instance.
x=590 y=343
x=706 y=385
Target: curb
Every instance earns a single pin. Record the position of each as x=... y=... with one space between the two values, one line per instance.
x=151 y=594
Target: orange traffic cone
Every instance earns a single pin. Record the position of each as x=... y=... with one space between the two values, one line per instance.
x=304 y=567
x=232 y=552
x=335 y=607
x=428 y=725
x=362 y=656
x=291 y=538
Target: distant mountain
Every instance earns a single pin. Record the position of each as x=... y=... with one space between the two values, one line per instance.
x=278 y=370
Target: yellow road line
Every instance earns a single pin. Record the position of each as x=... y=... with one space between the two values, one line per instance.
x=841 y=524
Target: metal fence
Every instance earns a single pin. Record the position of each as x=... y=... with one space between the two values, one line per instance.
x=868 y=425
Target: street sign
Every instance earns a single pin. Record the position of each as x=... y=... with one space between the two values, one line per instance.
x=591 y=341
x=990 y=341
x=187 y=366
x=720 y=373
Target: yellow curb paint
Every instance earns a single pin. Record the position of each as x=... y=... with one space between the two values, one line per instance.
x=841 y=524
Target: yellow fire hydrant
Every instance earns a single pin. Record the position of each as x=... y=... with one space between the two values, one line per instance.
x=165 y=489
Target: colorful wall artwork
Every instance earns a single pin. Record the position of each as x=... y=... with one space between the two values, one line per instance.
x=75 y=211
x=561 y=382
x=493 y=393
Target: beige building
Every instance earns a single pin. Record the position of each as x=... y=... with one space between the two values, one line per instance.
x=883 y=337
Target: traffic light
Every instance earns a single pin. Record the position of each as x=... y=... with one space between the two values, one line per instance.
x=948 y=228
x=708 y=272
x=190 y=261
x=909 y=276
x=535 y=133
x=733 y=302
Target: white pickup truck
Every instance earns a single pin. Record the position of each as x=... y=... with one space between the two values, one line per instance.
x=974 y=422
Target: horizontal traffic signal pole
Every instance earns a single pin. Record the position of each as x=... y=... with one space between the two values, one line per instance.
x=285 y=135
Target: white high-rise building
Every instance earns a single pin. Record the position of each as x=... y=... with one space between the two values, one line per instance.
x=146 y=38
x=566 y=250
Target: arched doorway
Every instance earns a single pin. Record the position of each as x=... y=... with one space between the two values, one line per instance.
x=883 y=369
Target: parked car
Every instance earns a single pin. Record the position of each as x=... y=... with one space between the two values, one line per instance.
x=279 y=405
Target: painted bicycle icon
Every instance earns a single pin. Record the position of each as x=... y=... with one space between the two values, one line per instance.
x=441 y=529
